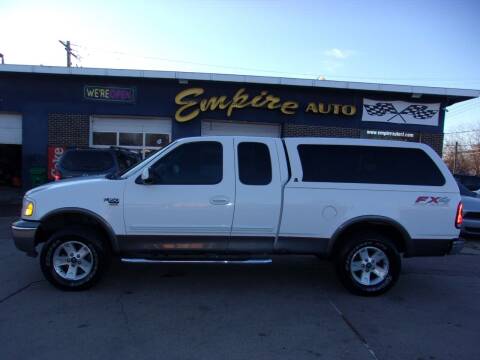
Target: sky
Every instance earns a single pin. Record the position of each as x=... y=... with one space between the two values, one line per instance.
x=413 y=42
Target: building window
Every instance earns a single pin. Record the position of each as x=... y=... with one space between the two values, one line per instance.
x=368 y=164
x=146 y=144
x=143 y=135
x=104 y=138
x=130 y=139
x=155 y=140
x=254 y=164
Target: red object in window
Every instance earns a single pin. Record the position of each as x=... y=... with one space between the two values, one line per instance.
x=58 y=175
x=459 y=216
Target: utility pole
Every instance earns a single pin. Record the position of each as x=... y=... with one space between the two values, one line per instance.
x=455 y=158
x=68 y=49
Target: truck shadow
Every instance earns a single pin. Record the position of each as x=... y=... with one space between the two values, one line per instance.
x=299 y=272
x=293 y=276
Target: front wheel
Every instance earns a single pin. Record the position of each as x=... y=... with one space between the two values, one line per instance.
x=73 y=259
x=369 y=264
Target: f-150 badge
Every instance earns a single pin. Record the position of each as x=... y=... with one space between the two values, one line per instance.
x=111 y=201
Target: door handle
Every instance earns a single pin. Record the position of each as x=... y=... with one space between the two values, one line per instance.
x=219 y=200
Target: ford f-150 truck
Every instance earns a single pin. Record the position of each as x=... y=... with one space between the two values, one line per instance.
x=361 y=203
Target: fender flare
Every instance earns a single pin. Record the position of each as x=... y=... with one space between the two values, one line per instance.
x=74 y=210
x=374 y=219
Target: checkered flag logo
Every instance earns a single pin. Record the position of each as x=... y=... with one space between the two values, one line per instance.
x=380 y=109
x=399 y=111
x=419 y=112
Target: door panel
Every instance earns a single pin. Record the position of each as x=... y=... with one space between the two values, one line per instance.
x=196 y=214
x=258 y=196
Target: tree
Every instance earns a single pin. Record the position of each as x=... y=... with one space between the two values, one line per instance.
x=462 y=151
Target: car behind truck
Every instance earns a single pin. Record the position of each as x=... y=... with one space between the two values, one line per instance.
x=361 y=203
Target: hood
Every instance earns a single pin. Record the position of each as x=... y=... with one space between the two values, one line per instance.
x=71 y=182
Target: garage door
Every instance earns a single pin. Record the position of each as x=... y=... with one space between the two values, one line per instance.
x=142 y=134
x=240 y=128
x=10 y=129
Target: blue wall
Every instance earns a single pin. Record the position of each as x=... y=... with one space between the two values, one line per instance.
x=37 y=95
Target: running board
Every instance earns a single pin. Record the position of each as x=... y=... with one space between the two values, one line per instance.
x=186 y=261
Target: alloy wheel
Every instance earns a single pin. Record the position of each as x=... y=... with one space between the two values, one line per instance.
x=369 y=266
x=73 y=260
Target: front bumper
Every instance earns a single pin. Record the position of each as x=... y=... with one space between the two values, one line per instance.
x=23 y=233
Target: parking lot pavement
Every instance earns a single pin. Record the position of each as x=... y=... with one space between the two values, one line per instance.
x=292 y=309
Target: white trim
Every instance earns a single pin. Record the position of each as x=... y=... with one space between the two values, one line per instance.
x=407 y=89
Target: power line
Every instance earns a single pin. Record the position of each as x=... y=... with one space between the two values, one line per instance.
x=458 y=106
x=461 y=132
x=469 y=152
x=314 y=75
x=462 y=145
x=464 y=105
x=197 y=63
x=464 y=113
x=457 y=114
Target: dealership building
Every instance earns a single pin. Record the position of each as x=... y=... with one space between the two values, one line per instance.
x=44 y=110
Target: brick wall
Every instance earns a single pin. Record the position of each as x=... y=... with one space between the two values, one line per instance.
x=68 y=130
x=291 y=130
x=434 y=140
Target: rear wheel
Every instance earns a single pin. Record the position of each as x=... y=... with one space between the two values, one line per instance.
x=73 y=259
x=369 y=264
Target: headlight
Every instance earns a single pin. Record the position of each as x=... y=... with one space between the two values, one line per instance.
x=28 y=208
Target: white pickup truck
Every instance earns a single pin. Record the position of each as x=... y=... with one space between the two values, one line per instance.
x=361 y=203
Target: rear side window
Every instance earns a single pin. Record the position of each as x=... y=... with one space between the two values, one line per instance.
x=368 y=164
x=196 y=163
x=87 y=161
x=254 y=164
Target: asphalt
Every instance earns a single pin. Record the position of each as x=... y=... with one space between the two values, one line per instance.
x=291 y=309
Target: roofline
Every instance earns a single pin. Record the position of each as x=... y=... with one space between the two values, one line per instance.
x=254 y=79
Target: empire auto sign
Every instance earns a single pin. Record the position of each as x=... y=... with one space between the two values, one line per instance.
x=191 y=102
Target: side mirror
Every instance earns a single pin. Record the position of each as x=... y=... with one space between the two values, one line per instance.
x=146 y=177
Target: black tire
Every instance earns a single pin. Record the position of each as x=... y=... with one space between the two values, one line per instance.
x=350 y=250
x=98 y=257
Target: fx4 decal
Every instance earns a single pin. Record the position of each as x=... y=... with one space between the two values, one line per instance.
x=432 y=200
x=111 y=201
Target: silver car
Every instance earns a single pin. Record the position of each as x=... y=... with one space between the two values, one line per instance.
x=471 y=213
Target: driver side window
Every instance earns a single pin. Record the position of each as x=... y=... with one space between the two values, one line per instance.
x=196 y=163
